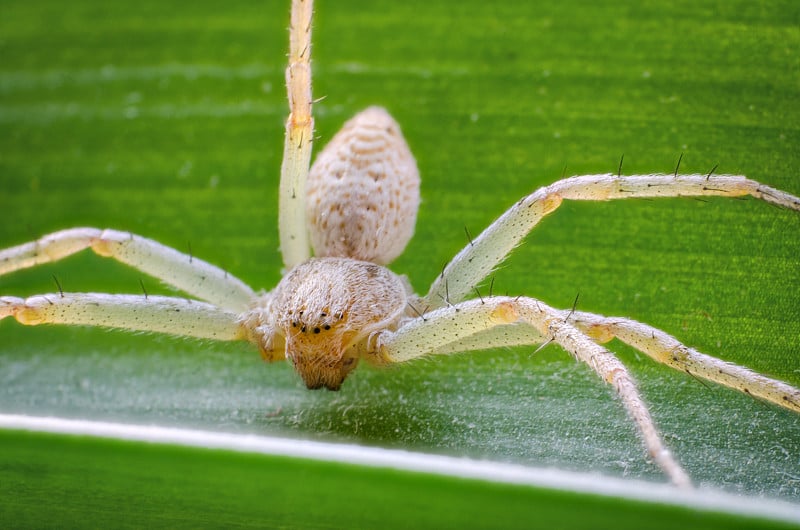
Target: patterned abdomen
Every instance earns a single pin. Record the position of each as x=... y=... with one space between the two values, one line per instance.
x=363 y=191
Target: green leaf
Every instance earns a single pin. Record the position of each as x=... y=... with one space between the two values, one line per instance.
x=143 y=485
x=167 y=121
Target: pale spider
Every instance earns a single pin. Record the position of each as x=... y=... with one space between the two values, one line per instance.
x=358 y=206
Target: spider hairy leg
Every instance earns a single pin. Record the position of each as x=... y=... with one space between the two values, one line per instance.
x=665 y=349
x=476 y=261
x=299 y=136
x=456 y=323
x=423 y=336
x=161 y=314
x=182 y=271
x=508 y=336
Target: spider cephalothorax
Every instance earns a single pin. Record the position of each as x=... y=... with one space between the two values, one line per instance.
x=323 y=311
x=358 y=214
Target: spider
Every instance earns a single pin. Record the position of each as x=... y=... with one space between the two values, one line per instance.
x=356 y=208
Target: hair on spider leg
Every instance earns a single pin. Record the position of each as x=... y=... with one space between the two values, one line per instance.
x=141 y=284
x=469 y=236
x=706 y=188
x=678 y=165
x=619 y=168
x=421 y=315
x=479 y=295
x=307 y=47
x=574 y=306
x=712 y=171
x=693 y=376
x=447 y=296
x=441 y=274
x=58 y=284
x=761 y=401
x=542 y=346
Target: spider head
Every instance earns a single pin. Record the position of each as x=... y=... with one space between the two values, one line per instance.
x=326 y=308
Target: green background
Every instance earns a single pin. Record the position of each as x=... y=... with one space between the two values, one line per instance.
x=167 y=119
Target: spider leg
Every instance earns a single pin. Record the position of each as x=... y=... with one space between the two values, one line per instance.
x=297 y=146
x=160 y=314
x=665 y=349
x=494 y=322
x=483 y=254
x=185 y=272
x=506 y=336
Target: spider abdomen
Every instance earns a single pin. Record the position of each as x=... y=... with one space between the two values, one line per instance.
x=363 y=191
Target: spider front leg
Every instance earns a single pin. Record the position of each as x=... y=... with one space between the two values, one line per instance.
x=182 y=271
x=297 y=145
x=481 y=256
x=502 y=321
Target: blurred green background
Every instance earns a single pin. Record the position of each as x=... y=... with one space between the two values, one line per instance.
x=166 y=119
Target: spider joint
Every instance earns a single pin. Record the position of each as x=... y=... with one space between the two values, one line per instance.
x=504 y=313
